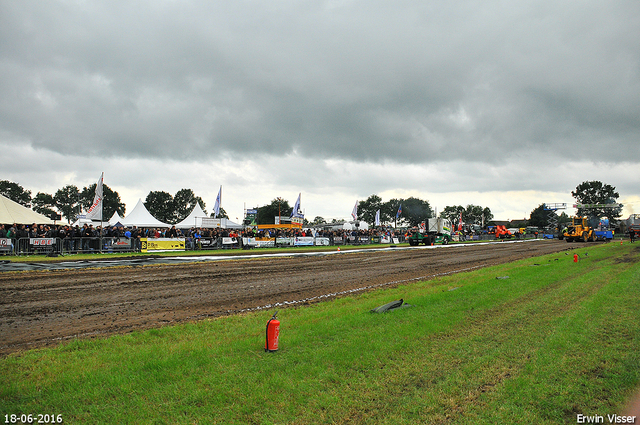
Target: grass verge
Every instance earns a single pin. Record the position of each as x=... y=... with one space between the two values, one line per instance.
x=553 y=340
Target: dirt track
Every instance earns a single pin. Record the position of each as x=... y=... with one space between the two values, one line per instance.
x=46 y=308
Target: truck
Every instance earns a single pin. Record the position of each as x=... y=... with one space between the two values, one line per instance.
x=579 y=231
x=430 y=231
x=502 y=232
x=633 y=225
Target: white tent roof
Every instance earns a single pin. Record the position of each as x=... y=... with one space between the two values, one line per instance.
x=194 y=219
x=12 y=212
x=115 y=218
x=141 y=217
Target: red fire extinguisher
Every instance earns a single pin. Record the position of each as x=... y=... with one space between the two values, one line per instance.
x=273 y=332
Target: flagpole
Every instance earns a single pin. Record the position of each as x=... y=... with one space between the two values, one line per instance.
x=101 y=212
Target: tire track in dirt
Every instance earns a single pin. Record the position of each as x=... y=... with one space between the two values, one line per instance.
x=41 y=308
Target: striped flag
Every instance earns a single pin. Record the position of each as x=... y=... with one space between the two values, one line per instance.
x=378 y=218
x=354 y=213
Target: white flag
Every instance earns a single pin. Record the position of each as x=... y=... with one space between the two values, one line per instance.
x=354 y=213
x=216 y=207
x=297 y=212
x=95 y=210
x=378 y=218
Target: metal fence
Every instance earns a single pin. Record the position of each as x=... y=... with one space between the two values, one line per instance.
x=63 y=246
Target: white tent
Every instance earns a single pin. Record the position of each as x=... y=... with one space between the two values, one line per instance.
x=141 y=217
x=12 y=212
x=115 y=219
x=194 y=219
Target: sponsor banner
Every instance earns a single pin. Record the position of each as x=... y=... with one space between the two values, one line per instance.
x=121 y=243
x=5 y=244
x=210 y=223
x=385 y=239
x=396 y=240
x=229 y=241
x=265 y=242
x=207 y=242
x=303 y=241
x=284 y=241
x=161 y=244
x=338 y=240
x=249 y=242
x=42 y=241
x=364 y=239
x=322 y=241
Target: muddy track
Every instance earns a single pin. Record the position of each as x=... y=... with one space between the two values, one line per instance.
x=41 y=308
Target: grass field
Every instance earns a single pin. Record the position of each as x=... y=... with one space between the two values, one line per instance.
x=536 y=341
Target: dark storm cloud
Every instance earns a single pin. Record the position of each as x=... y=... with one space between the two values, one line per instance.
x=368 y=81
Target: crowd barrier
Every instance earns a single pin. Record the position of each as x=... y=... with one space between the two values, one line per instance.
x=51 y=246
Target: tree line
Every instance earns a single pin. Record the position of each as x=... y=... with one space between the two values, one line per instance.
x=70 y=201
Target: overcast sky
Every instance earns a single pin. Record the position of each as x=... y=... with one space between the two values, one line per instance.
x=493 y=103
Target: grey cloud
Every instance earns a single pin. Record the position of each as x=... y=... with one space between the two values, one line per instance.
x=412 y=82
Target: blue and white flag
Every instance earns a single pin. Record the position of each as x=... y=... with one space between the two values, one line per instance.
x=296 y=212
x=216 y=207
x=378 y=218
x=354 y=213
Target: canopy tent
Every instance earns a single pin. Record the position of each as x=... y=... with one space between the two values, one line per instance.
x=115 y=219
x=140 y=217
x=12 y=212
x=194 y=219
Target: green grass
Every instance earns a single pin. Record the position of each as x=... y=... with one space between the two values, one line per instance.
x=553 y=340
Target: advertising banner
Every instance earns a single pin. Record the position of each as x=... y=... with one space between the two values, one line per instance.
x=284 y=241
x=322 y=241
x=229 y=241
x=120 y=243
x=5 y=244
x=303 y=241
x=42 y=241
x=385 y=239
x=161 y=244
x=338 y=240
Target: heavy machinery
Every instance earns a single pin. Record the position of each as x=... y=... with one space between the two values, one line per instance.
x=633 y=225
x=502 y=232
x=579 y=231
x=432 y=230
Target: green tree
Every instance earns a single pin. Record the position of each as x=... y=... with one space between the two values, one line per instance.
x=67 y=201
x=452 y=213
x=15 y=192
x=367 y=209
x=184 y=201
x=388 y=211
x=318 y=220
x=487 y=215
x=110 y=201
x=160 y=205
x=539 y=217
x=597 y=193
x=44 y=204
x=223 y=213
x=415 y=211
x=266 y=213
x=472 y=214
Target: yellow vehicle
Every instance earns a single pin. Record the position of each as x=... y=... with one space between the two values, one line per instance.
x=579 y=231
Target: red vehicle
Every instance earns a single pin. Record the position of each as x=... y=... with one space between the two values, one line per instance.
x=502 y=232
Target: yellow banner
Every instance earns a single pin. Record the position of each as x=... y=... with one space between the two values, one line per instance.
x=161 y=244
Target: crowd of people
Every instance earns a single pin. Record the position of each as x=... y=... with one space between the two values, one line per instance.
x=90 y=238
